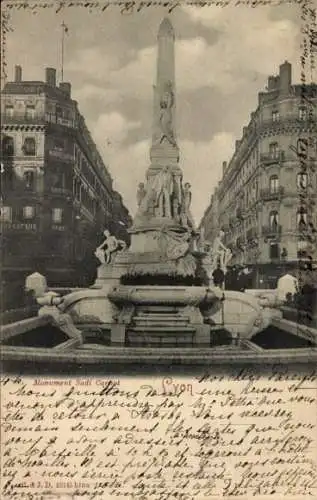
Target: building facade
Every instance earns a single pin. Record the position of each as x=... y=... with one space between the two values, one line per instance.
x=57 y=195
x=267 y=198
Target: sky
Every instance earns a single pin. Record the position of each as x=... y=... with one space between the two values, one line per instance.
x=223 y=58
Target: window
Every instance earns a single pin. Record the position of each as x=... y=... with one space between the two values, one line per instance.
x=275 y=115
x=9 y=110
x=5 y=214
x=30 y=111
x=302 y=113
x=274 y=251
x=274 y=184
x=302 y=218
x=28 y=147
x=58 y=178
x=29 y=180
x=28 y=212
x=8 y=146
x=302 y=180
x=274 y=218
x=273 y=149
x=57 y=215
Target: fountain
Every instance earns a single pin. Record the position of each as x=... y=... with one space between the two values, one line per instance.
x=159 y=291
x=152 y=289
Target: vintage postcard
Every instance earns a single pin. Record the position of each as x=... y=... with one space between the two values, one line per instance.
x=158 y=250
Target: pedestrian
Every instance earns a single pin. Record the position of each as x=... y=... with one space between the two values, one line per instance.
x=218 y=276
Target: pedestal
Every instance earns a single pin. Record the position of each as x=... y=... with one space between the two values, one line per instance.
x=108 y=275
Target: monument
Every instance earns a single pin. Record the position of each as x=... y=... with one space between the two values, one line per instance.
x=154 y=302
x=163 y=229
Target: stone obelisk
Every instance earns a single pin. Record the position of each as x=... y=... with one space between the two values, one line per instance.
x=162 y=202
x=164 y=146
x=162 y=231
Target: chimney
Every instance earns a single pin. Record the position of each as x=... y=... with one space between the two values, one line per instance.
x=18 y=74
x=271 y=83
x=50 y=76
x=261 y=98
x=285 y=77
x=224 y=166
x=66 y=88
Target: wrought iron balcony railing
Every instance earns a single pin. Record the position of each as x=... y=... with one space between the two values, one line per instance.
x=269 y=158
x=283 y=121
x=272 y=231
x=272 y=194
x=36 y=119
x=18 y=226
x=61 y=190
x=22 y=118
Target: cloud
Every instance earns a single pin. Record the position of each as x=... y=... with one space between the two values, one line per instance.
x=128 y=167
x=250 y=43
x=93 y=61
x=127 y=164
x=202 y=167
x=112 y=128
x=133 y=79
x=90 y=91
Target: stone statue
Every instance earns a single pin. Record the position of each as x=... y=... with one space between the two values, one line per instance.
x=109 y=247
x=140 y=193
x=186 y=216
x=164 y=191
x=166 y=114
x=221 y=252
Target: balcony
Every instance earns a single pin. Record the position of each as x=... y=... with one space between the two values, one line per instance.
x=286 y=121
x=272 y=231
x=61 y=191
x=58 y=227
x=18 y=226
x=61 y=155
x=275 y=194
x=37 y=119
x=271 y=158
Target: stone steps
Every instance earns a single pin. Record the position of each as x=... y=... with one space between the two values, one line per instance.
x=161 y=329
x=160 y=339
x=162 y=316
x=158 y=330
x=157 y=322
x=158 y=309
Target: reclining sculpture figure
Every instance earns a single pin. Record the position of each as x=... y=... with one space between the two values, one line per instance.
x=109 y=247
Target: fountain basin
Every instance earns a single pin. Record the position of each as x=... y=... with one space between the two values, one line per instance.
x=164 y=295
